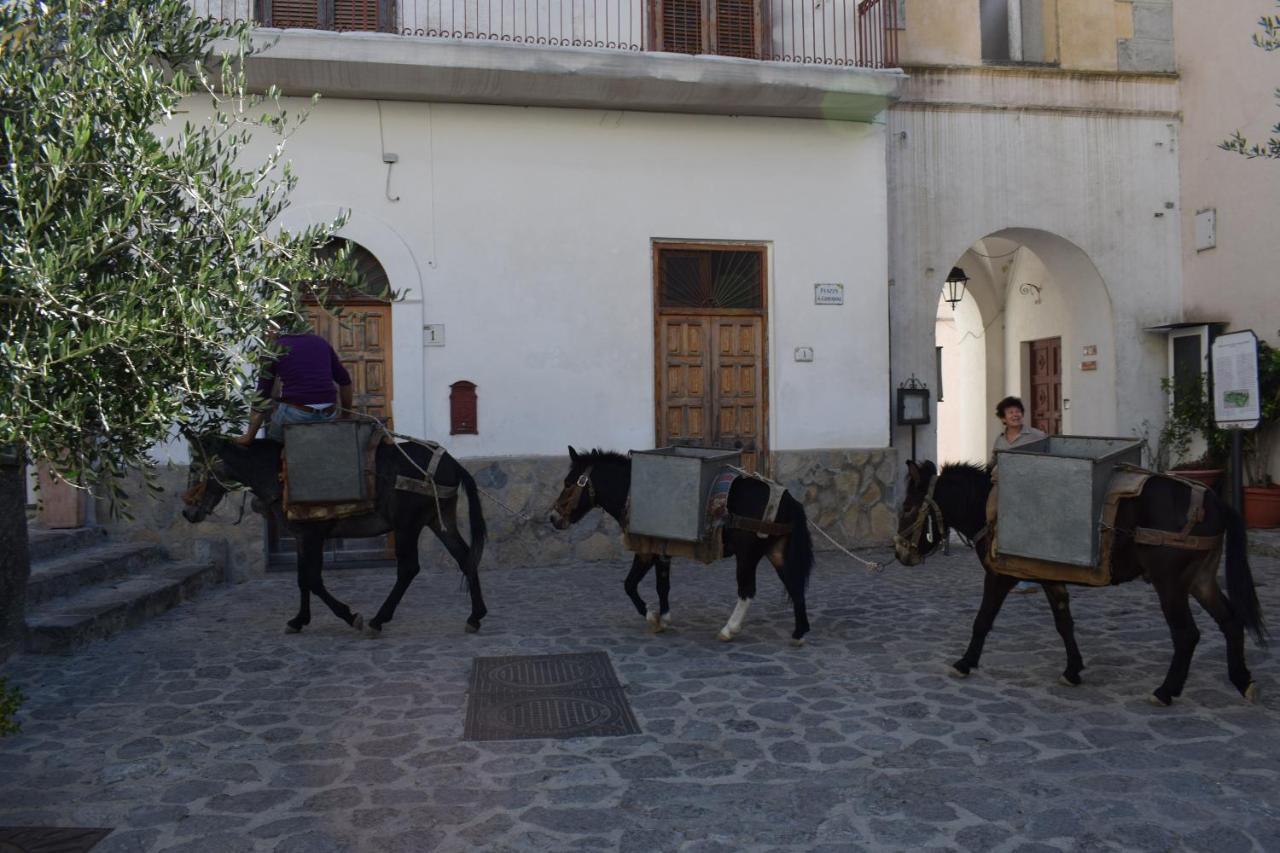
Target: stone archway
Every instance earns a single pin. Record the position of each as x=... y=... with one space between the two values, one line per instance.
x=1027 y=286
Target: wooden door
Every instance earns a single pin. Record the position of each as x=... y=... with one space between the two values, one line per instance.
x=361 y=335
x=1046 y=385
x=360 y=332
x=710 y=349
x=739 y=373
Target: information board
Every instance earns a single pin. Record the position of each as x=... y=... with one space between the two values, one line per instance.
x=1236 y=403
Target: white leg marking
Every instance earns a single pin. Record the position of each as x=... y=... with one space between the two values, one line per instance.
x=654 y=620
x=734 y=625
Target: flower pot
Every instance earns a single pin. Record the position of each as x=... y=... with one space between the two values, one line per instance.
x=1208 y=476
x=1262 y=507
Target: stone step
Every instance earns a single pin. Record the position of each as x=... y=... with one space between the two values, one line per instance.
x=67 y=573
x=65 y=624
x=44 y=544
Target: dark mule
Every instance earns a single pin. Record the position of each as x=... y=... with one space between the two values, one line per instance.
x=959 y=499
x=603 y=479
x=218 y=463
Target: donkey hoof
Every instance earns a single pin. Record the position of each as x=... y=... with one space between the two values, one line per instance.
x=1066 y=681
x=1251 y=693
x=797 y=642
x=655 y=621
x=959 y=669
x=290 y=628
x=471 y=627
x=1159 y=700
x=357 y=621
x=372 y=630
x=724 y=636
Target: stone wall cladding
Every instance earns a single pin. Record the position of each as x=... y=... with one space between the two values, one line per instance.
x=849 y=493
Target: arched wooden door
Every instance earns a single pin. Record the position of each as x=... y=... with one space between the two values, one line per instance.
x=358 y=327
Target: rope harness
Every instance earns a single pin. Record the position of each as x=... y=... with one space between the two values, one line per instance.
x=929 y=510
x=569 y=498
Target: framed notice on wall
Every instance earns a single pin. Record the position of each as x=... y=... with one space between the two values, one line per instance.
x=1236 y=404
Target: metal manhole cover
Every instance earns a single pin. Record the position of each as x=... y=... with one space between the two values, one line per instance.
x=47 y=839
x=547 y=696
x=583 y=671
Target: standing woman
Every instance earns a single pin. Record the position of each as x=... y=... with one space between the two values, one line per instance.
x=1015 y=434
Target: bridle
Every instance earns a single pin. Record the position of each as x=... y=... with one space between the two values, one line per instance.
x=909 y=541
x=569 y=498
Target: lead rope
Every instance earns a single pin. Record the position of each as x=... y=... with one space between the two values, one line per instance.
x=871 y=565
x=433 y=447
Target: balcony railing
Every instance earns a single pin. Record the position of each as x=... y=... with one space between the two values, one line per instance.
x=861 y=33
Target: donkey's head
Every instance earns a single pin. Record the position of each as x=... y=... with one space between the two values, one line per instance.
x=578 y=497
x=919 y=521
x=207 y=479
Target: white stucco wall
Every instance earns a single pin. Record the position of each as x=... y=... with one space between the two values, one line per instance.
x=1093 y=191
x=961 y=413
x=528 y=233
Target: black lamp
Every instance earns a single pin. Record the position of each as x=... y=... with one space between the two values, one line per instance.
x=955 y=286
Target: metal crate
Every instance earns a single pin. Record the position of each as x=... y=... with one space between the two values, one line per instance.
x=325 y=461
x=1051 y=494
x=669 y=490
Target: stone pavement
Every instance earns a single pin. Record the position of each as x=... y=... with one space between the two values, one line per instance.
x=209 y=729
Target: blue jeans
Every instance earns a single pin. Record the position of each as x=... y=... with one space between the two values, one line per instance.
x=285 y=414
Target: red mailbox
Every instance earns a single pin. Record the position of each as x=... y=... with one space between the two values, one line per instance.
x=462 y=408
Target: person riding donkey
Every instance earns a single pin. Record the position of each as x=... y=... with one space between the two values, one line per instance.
x=308 y=369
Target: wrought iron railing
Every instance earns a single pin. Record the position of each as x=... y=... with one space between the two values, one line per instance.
x=820 y=32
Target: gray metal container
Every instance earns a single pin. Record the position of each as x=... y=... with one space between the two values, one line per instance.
x=1052 y=492
x=326 y=461
x=669 y=489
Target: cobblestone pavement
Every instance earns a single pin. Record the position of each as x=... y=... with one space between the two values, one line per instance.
x=211 y=730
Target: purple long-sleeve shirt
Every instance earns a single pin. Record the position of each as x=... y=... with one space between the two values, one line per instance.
x=308 y=368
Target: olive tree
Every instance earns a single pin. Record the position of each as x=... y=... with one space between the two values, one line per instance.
x=139 y=265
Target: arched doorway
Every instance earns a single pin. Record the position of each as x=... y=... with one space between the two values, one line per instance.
x=1035 y=322
x=357 y=324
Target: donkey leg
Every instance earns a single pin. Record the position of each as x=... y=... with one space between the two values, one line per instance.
x=661 y=620
x=795 y=591
x=303 y=618
x=640 y=565
x=461 y=551
x=1060 y=603
x=1182 y=627
x=994 y=590
x=1209 y=594
x=313 y=553
x=746 y=591
x=407 y=569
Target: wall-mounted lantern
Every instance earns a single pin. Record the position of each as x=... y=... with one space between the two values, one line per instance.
x=955 y=287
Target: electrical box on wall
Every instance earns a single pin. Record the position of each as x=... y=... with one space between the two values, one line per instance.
x=1206 y=229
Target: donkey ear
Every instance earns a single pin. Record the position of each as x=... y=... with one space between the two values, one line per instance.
x=913 y=471
x=573 y=454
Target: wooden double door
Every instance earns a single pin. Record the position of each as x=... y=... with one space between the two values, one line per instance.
x=711 y=341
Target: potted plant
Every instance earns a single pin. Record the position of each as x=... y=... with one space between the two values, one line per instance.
x=1261 y=495
x=1191 y=445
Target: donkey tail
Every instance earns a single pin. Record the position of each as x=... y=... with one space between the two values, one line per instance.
x=799 y=552
x=1240 y=589
x=476 y=515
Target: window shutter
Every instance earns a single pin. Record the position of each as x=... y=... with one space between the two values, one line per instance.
x=682 y=29
x=293 y=13
x=736 y=28
x=355 y=15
